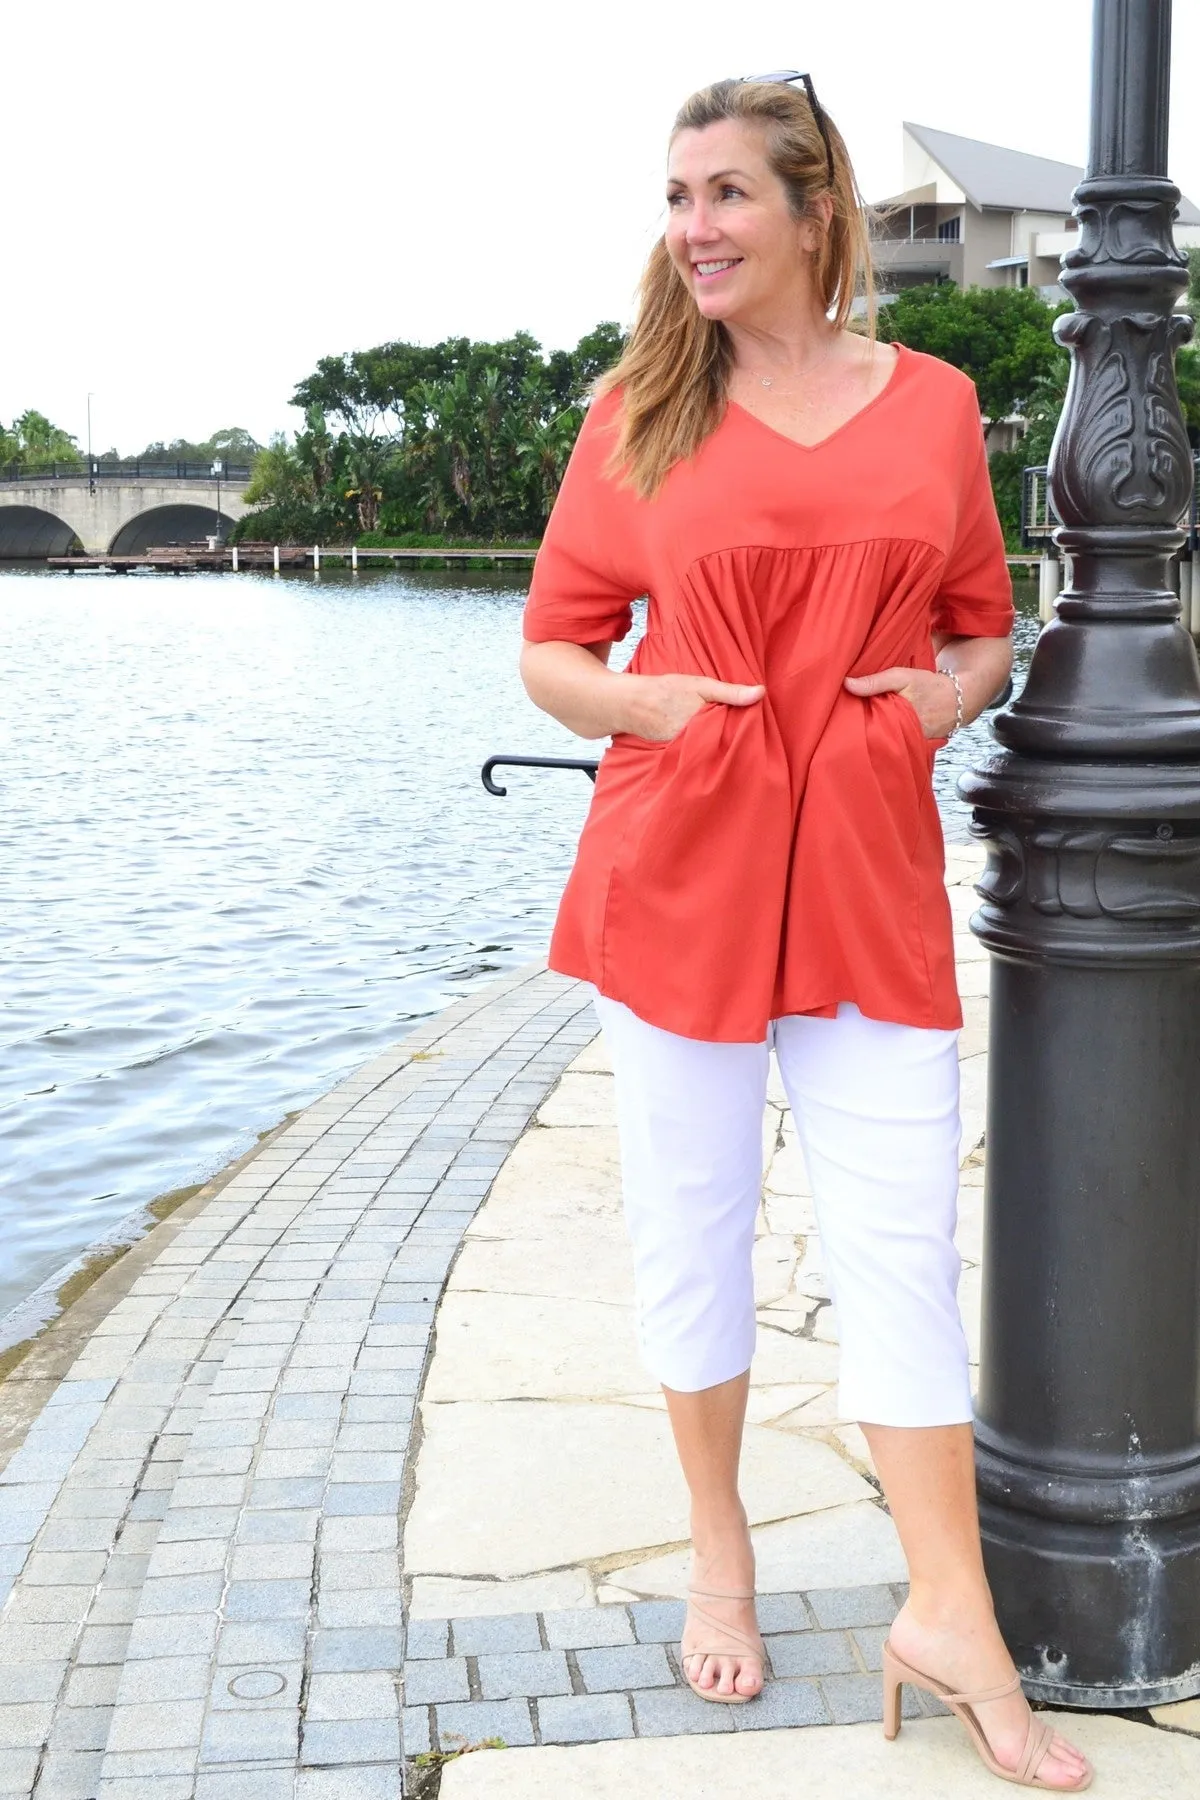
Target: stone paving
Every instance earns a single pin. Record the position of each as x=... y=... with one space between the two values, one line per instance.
x=198 y=1536
x=837 y=1762
x=380 y=1379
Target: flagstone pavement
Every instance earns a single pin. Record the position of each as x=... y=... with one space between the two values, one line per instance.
x=357 y=1467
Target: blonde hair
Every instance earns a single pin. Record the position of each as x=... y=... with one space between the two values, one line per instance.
x=676 y=365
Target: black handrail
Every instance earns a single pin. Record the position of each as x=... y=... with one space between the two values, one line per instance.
x=135 y=468
x=587 y=764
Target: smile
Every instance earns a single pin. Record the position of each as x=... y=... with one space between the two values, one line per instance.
x=707 y=270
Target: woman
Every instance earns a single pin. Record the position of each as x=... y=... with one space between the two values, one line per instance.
x=810 y=515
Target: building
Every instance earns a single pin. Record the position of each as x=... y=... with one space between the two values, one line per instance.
x=981 y=216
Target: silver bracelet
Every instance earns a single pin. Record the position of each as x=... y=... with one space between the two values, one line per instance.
x=959 y=719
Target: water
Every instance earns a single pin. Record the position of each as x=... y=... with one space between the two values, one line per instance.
x=966 y=747
x=245 y=847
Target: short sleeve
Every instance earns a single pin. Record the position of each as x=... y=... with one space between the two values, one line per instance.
x=974 y=598
x=584 y=581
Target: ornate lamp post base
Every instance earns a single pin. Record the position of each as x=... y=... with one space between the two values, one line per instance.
x=1088 y=1433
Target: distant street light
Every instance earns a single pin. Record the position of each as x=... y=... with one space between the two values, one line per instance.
x=218 y=470
x=91 y=464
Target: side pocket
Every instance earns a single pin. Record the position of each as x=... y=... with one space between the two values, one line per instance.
x=913 y=726
x=919 y=757
x=630 y=740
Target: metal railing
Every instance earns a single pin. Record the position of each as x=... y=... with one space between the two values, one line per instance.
x=1039 y=519
x=133 y=469
x=886 y=241
x=588 y=764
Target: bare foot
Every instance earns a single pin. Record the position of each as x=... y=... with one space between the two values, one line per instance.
x=967 y=1653
x=726 y=1563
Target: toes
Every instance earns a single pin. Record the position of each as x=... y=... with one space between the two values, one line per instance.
x=720 y=1674
x=1063 y=1765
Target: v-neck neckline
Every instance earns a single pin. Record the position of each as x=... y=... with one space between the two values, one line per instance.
x=902 y=354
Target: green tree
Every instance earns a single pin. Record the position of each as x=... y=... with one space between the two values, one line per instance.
x=543 y=453
x=571 y=373
x=1193 y=294
x=316 y=455
x=364 y=463
x=441 y=452
x=233 y=445
x=293 y=487
x=461 y=438
x=1187 y=362
x=1000 y=337
x=1007 y=467
x=277 y=478
x=34 y=443
x=1187 y=377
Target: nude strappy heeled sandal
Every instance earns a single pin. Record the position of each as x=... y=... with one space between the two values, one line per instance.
x=1037 y=1742
x=746 y=1647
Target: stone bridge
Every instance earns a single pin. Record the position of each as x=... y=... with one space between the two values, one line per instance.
x=116 y=510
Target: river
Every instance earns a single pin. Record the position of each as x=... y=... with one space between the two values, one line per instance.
x=245 y=846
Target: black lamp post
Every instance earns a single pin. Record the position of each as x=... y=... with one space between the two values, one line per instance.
x=1088 y=1428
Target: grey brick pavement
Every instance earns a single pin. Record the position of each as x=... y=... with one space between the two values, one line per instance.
x=201 y=1525
x=613 y=1671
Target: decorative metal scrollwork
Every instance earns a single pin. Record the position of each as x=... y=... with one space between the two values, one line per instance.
x=1094 y=873
x=1122 y=455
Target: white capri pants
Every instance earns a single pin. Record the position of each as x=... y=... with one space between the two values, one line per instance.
x=876 y=1112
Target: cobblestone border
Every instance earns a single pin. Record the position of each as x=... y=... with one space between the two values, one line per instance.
x=613 y=1672
x=198 y=1556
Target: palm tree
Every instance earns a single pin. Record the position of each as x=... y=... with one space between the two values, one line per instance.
x=39 y=444
x=366 y=458
x=543 y=456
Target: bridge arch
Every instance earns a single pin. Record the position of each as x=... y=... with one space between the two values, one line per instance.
x=159 y=525
x=31 y=531
x=126 y=510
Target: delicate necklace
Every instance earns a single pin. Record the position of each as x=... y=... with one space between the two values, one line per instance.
x=768 y=381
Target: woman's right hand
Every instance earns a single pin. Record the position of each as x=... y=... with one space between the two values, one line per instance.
x=659 y=706
x=574 y=684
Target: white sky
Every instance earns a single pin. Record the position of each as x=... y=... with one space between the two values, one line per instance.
x=202 y=200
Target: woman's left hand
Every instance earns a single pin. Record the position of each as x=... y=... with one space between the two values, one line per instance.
x=932 y=697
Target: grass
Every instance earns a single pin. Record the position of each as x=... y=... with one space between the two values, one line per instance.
x=427 y=1766
x=166 y=1204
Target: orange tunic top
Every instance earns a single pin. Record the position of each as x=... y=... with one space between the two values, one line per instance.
x=785 y=856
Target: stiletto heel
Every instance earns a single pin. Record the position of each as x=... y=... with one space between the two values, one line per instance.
x=893 y=1695
x=1038 y=1738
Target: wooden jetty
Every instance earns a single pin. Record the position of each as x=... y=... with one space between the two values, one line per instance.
x=177 y=558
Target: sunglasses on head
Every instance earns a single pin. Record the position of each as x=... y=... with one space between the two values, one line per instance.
x=787 y=77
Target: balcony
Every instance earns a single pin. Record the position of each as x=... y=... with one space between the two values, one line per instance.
x=910 y=261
